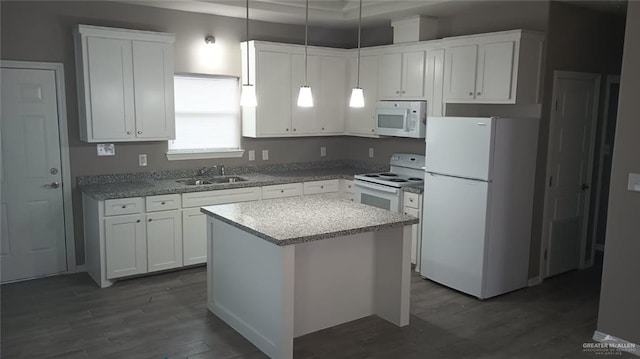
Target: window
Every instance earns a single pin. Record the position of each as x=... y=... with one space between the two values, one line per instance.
x=207 y=118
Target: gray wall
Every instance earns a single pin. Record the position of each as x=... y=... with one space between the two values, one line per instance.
x=42 y=31
x=578 y=39
x=620 y=295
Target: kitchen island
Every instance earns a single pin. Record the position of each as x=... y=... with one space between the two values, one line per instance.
x=283 y=268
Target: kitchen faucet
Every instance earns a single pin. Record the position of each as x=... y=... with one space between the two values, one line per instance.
x=207 y=170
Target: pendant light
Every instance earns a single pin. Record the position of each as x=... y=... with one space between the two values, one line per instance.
x=305 y=98
x=357 y=95
x=248 y=95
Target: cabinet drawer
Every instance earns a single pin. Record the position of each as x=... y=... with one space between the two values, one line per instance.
x=199 y=199
x=317 y=187
x=347 y=186
x=350 y=196
x=114 y=207
x=163 y=203
x=412 y=200
x=282 y=190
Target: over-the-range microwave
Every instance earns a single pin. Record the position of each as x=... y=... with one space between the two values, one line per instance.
x=401 y=118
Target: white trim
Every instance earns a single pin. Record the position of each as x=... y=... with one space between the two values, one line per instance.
x=196 y=155
x=534 y=281
x=543 y=267
x=611 y=79
x=606 y=338
x=65 y=162
x=128 y=34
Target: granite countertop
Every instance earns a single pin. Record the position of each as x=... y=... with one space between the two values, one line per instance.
x=295 y=220
x=140 y=186
x=413 y=189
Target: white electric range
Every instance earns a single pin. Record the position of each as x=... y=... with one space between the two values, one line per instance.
x=384 y=189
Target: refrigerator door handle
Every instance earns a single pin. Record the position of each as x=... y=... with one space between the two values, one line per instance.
x=434 y=174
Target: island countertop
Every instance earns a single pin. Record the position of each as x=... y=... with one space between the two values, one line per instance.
x=295 y=220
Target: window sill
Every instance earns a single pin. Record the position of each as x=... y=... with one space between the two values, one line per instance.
x=198 y=155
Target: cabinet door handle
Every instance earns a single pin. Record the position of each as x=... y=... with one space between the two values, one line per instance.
x=162 y=203
x=294 y=130
x=139 y=132
x=128 y=132
x=124 y=206
x=410 y=199
x=404 y=91
x=149 y=219
x=372 y=130
x=281 y=191
x=323 y=129
x=470 y=93
x=397 y=91
x=138 y=221
x=287 y=129
x=321 y=187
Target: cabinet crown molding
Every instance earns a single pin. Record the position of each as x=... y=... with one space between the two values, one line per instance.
x=116 y=33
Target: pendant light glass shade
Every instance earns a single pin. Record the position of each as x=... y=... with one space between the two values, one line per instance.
x=357 y=98
x=248 y=96
x=357 y=95
x=305 y=98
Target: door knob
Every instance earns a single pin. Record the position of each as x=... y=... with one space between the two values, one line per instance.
x=52 y=185
x=584 y=187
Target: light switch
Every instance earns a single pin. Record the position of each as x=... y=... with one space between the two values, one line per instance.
x=265 y=155
x=142 y=160
x=252 y=155
x=634 y=182
x=370 y=152
x=106 y=149
x=323 y=151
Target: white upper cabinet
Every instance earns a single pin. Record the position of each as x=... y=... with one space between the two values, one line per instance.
x=498 y=68
x=434 y=82
x=125 y=84
x=278 y=71
x=362 y=121
x=401 y=75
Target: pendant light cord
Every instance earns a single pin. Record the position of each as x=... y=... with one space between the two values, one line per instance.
x=306 y=34
x=359 y=37
x=247 y=43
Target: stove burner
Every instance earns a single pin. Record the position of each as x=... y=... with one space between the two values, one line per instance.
x=398 y=180
x=389 y=175
x=415 y=179
x=371 y=175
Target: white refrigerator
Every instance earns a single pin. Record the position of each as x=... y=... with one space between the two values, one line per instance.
x=478 y=203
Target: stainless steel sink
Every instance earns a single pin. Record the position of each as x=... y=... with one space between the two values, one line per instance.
x=211 y=180
x=194 y=182
x=230 y=179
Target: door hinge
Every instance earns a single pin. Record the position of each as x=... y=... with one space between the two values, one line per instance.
x=550 y=181
x=556 y=105
x=545 y=255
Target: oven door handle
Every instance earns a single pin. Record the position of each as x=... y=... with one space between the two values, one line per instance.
x=376 y=187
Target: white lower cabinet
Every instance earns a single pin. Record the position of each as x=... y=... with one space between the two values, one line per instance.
x=282 y=190
x=125 y=246
x=194 y=236
x=164 y=240
x=413 y=207
x=131 y=236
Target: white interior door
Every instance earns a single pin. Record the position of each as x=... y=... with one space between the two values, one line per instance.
x=570 y=158
x=33 y=227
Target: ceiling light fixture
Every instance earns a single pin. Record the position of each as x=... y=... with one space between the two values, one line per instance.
x=305 y=98
x=210 y=39
x=357 y=95
x=248 y=95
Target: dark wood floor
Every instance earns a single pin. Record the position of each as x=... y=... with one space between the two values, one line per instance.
x=165 y=316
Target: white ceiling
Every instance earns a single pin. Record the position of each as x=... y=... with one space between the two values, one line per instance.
x=343 y=13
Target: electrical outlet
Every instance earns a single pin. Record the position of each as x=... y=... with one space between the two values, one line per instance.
x=142 y=160
x=252 y=155
x=323 y=151
x=106 y=149
x=265 y=155
x=370 y=152
x=634 y=182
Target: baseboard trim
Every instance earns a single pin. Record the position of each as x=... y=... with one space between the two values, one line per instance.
x=81 y=268
x=534 y=281
x=606 y=338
